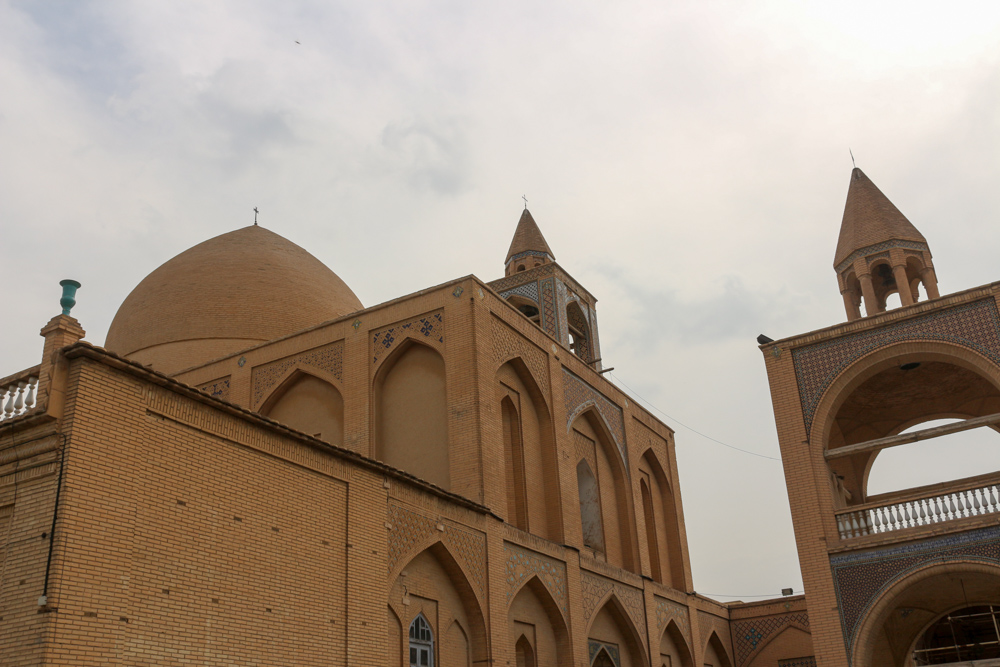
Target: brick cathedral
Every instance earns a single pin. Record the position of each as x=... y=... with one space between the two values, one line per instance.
x=258 y=470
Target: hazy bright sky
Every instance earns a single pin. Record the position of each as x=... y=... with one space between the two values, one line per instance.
x=687 y=162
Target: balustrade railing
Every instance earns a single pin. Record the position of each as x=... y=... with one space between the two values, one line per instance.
x=932 y=508
x=18 y=394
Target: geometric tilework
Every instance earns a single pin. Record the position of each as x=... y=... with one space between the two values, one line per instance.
x=508 y=344
x=527 y=290
x=668 y=610
x=579 y=396
x=974 y=325
x=596 y=588
x=878 y=247
x=329 y=358
x=753 y=633
x=860 y=578
x=522 y=564
x=504 y=284
x=217 y=388
x=528 y=253
x=411 y=531
x=550 y=318
x=808 y=661
x=594 y=647
x=431 y=327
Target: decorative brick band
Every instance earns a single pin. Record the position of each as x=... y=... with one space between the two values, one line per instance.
x=411 y=532
x=973 y=325
x=878 y=247
x=859 y=579
x=523 y=564
x=579 y=396
x=753 y=634
x=218 y=388
x=429 y=328
x=508 y=344
x=328 y=358
x=596 y=589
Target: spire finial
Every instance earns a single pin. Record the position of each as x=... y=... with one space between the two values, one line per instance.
x=853 y=164
x=525 y=198
x=255 y=212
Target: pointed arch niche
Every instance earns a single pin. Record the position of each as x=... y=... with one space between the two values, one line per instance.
x=674 y=650
x=531 y=475
x=597 y=455
x=537 y=628
x=663 y=538
x=612 y=629
x=411 y=413
x=309 y=404
x=715 y=653
x=434 y=585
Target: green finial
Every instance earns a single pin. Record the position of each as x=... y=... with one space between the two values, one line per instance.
x=68 y=299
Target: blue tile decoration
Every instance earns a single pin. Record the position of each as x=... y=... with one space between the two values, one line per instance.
x=531 y=275
x=522 y=564
x=594 y=647
x=529 y=253
x=668 y=610
x=753 y=634
x=218 y=388
x=527 y=290
x=807 y=661
x=328 y=358
x=427 y=328
x=973 y=325
x=549 y=312
x=579 y=396
x=595 y=591
x=859 y=578
x=878 y=247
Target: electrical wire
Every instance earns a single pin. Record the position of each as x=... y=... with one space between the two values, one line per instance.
x=680 y=423
x=726 y=595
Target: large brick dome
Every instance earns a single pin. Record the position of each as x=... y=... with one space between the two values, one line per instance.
x=223 y=295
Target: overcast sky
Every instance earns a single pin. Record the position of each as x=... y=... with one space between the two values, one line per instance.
x=687 y=162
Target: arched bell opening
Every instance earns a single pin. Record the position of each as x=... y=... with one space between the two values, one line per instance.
x=525 y=306
x=580 y=339
x=964 y=635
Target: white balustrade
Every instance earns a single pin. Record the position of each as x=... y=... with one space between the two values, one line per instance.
x=939 y=508
x=18 y=397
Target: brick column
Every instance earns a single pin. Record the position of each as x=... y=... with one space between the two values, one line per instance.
x=903 y=285
x=60 y=332
x=929 y=279
x=868 y=290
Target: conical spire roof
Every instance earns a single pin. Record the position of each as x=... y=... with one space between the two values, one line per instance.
x=527 y=237
x=870 y=218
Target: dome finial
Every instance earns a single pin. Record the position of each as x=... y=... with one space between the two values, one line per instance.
x=68 y=299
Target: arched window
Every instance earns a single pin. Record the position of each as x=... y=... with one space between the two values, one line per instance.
x=421 y=643
x=524 y=653
x=579 y=331
x=513 y=449
x=651 y=538
x=590 y=507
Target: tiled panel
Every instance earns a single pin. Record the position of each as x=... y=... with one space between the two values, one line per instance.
x=329 y=358
x=860 y=578
x=579 y=395
x=218 y=388
x=428 y=327
x=750 y=634
x=975 y=325
x=523 y=564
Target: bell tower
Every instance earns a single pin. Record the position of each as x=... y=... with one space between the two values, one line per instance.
x=548 y=296
x=879 y=252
